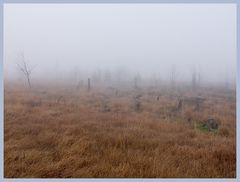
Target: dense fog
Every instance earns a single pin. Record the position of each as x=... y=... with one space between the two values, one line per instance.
x=121 y=41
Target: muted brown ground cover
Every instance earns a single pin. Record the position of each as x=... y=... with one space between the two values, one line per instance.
x=45 y=136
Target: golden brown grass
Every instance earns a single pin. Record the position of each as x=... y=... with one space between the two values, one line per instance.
x=43 y=138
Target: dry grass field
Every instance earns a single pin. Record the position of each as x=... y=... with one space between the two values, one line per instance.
x=65 y=133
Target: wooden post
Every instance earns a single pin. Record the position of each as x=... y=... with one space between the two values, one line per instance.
x=89 y=84
x=180 y=104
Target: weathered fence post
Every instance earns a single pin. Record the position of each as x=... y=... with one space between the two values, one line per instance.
x=89 y=84
x=180 y=104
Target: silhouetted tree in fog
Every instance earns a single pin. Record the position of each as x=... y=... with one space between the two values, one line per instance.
x=227 y=81
x=194 y=80
x=25 y=68
x=199 y=79
x=107 y=76
x=137 y=80
x=173 y=76
x=89 y=84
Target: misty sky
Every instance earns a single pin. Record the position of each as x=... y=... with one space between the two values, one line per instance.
x=144 y=38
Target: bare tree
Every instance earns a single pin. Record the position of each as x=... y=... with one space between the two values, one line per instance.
x=107 y=76
x=89 y=84
x=25 y=69
x=137 y=80
x=173 y=76
x=194 y=80
x=226 y=81
x=199 y=79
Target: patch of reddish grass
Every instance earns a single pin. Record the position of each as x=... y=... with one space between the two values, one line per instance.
x=75 y=139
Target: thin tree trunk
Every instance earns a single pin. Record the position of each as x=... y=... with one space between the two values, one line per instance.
x=29 y=83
